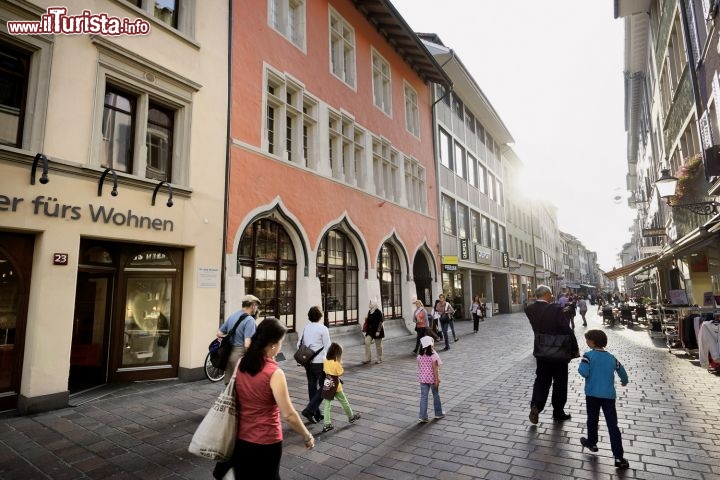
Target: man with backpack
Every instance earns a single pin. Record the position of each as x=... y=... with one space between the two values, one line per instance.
x=238 y=329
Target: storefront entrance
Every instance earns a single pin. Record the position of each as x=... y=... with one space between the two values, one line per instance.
x=126 y=325
x=16 y=254
x=91 y=330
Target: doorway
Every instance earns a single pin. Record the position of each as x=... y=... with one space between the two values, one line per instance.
x=91 y=330
x=16 y=256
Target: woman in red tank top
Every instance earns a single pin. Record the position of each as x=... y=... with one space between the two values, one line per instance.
x=263 y=399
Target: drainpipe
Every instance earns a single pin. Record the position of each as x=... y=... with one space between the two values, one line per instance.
x=226 y=206
x=435 y=128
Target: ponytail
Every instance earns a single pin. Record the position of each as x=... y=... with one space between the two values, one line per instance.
x=268 y=332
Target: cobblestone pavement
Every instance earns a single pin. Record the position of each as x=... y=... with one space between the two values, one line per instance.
x=668 y=414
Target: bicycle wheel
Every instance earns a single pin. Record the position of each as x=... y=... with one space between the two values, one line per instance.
x=213 y=374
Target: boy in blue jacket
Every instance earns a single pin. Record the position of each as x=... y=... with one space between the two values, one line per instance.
x=598 y=367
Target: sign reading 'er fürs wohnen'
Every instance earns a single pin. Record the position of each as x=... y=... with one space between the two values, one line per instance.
x=43 y=206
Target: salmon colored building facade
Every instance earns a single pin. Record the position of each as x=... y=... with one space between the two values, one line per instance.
x=332 y=181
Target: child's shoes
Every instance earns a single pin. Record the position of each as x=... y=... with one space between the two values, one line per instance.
x=328 y=427
x=354 y=418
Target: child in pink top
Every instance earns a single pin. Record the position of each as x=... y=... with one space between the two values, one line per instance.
x=429 y=375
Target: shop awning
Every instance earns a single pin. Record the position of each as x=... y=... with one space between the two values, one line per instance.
x=693 y=242
x=587 y=285
x=626 y=269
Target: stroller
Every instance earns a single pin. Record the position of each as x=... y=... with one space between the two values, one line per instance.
x=608 y=316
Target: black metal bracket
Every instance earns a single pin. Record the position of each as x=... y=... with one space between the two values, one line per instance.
x=700 y=208
x=170 y=196
x=33 y=171
x=114 y=191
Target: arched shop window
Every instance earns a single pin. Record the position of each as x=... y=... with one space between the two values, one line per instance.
x=390 y=274
x=266 y=260
x=337 y=269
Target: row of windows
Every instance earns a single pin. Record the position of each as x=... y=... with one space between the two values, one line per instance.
x=288 y=18
x=135 y=128
x=454 y=157
x=292 y=131
x=519 y=249
x=463 y=222
x=466 y=128
x=266 y=260
x=518 y=217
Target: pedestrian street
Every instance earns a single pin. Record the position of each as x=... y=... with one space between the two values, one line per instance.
x=668 y=416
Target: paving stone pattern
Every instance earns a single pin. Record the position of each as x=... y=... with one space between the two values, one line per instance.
x=668 y=414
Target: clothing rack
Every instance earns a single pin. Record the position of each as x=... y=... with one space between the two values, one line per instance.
x=671 y=316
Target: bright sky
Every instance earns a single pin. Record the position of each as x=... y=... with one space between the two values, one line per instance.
x=553 y=72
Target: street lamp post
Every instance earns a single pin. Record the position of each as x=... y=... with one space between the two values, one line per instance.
x=666 y=185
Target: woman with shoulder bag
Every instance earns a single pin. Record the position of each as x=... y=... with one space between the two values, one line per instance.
x=446 y=312
x=315 y=336
x=263 y=399
x=375 y=331
x=422 y=320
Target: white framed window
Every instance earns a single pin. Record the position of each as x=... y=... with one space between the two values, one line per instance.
x=445 y=142
x=412 y=112
x=287 y=17
x=25 y=70
x=335 y=144
x=174 y=14
x=141 y=129
x=385 y=169
x=289 y=129
x=342 y=49
x=472 y=166
x=309 y=131
x=382 y=83
x=359 y=136
x=415 y=185
x=460 y=167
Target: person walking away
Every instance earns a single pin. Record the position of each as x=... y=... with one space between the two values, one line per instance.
x=422 y=323
x=475 y=310
x=446 y=312
x=599 y=367
x=548 y=318
x=316 y=336
x=243 y=333
x=263 y=400
x=375 y=331
x=571 y=310
x=583 y=308
x=429 y=375
x=333 y=389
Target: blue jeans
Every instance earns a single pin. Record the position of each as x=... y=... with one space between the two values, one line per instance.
x=594 y=404
x=444 y=326
x=424 y=388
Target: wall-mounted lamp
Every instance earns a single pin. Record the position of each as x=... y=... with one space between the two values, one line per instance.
x=170 y=196
x=114 y=191
x=44 y=177
x=666 y=185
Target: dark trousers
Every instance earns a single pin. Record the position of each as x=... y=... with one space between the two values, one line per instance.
x=476 y=321
x=420 y=333
x=582 y=314
x=315 y=378
x=550 y=373
x=594 y=404
x=252 y=460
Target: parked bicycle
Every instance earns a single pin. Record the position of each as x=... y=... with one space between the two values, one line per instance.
x=213 y=374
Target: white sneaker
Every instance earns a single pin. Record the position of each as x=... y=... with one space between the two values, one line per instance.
x=423 y=420
x=438 y=417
